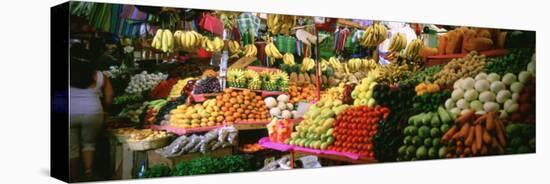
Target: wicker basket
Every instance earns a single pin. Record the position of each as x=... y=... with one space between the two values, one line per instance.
x=148 y=145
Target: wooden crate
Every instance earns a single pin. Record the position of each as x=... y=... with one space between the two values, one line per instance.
x=156 y=159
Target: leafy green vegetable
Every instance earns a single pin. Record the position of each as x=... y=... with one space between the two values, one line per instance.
x=429 y=102
x=211 y=165
x=157 y=171
x=513 y=62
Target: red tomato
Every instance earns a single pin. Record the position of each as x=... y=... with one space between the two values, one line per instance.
x=369 y=147
x=374 y=127
x=371 y=154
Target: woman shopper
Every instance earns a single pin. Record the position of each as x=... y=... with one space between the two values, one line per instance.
x=90 y=95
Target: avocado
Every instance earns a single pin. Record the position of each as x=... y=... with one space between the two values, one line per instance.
x=432 y=153
x=421 y=153
x=417 y=141
x=407 y=140
x=402 y=150
x=442 y=152
x=444 y=128
x=435 y=132
x=424 y=131
x=428 y=142
x=435 y=142
x=411 y=150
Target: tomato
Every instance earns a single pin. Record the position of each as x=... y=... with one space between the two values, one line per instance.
x=374 y=127
x=369 y=147
x=371 y=154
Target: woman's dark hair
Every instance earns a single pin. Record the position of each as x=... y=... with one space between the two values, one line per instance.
x=82 y=69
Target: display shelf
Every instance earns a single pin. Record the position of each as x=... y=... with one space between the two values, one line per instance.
x=443 y=59
x=250 y=125
x=182 y=131
x=328 y=154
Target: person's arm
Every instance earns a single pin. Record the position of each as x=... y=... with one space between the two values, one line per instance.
x=107 y=93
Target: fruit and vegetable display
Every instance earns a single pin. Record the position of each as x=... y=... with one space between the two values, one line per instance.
x=394 y=72
x=163 y=115
x=212 y=44
x=473 y=135
x=521 y=138
x=374 y=35
x=468 y=66
x=157 y=171
x=527 y=104
x=206 y=114
x=425 y=75
x=299 y=94
x=133 y=111
x=397 y=96
x=128 y=98
x=163 y=40
x=363 y=93
x=488 y=93
x=355 y=127
x=187 y=40
x=210 y=141
x=144 y=81
x=316 y=130
x=336 y=92
x=162 y=90
x=153 y=109
x=242 y=105
x=429 y=102
x=178 y=88
x=423 y=136
x=207 y=85
x=280 y=107
x=251 y=148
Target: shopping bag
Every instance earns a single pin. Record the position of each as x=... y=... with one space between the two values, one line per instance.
x=211 y=24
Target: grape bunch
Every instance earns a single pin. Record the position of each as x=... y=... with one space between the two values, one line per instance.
x=207 y=85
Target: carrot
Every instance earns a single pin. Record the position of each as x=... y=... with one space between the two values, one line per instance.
x=486 y=137
x=500 y=133
x=474 y=148
x=450 y=132
x=467 y=150
x=459 y=143
x=465 y=117
x=463 y=131
x=484 y=150
x=479 y=136
x=494 y=143
x=470 y=138
x=459 y=150
x=490 y=123
x=481 y=119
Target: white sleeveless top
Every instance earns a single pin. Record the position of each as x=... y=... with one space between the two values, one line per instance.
x=86 y=101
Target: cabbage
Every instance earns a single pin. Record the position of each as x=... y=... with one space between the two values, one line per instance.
x=481 y=76
x=468 y=83
x=491 y=107
x=487 y=96
x=457 y=94
x=524 y=76
x=462 y=104
x=477 y=105
x=509 y=78
x=493 y=77
x=449 y=104
x=503 y=95
x=516 y=87
x=482 y=85
x=470 y=95
x=497 y=86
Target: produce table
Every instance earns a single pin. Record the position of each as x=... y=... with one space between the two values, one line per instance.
x=328 y=154
x=244 y=125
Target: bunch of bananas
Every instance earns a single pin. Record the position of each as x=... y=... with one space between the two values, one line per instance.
x=398 y=42
x=288 y=59
x=212 y=45
x=234 y=48
x=413 y=48
x=393 y=73
x=272 y=51
x=307 y=64
x=280 y=23
x=354 y=64
x=163 y=40
x=369 y=64
x=374 y=35
x=250 y=50
x=324 y=64
x=336 y=64
x=334 y=92
x=187 y=40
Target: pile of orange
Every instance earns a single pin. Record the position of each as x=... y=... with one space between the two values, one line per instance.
x=301 y=93
x=242 y=105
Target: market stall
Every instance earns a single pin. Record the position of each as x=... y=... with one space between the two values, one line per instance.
x=236 y=91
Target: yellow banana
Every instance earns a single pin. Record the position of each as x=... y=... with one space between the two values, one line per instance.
x=288 y=59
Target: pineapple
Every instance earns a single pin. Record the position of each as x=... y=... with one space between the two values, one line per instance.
x=253 y=79
x=281 y=80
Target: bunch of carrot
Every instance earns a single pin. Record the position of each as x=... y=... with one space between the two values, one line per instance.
x=475 y=135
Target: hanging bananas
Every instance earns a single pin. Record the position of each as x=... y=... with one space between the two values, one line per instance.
x=213 y=45
x=280 y=23
x=335 y=64
x=413 y=48
x=272 y=51
x=398 y=42
x=324 y=64
x=163 y=40
x=186 y=40
x=250 y=50
x=234 y=48
x=288 y=59
x=374 y=35
x=307 y=64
